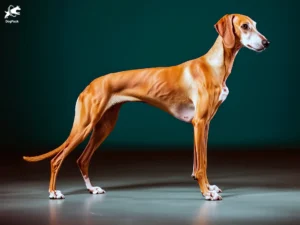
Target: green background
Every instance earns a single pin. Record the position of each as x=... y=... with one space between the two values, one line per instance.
x=59 y=47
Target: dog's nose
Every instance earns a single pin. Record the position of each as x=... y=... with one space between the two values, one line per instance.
x=265 y=43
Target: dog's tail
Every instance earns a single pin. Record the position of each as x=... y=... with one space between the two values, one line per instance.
x=55 y=151
x=79 y=119
x=46 y=155
x=60 y=148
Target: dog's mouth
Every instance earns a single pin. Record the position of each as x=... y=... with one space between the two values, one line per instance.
x=256 y=49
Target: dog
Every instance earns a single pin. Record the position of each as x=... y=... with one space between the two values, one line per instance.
x=12 y=11
x=191 y=91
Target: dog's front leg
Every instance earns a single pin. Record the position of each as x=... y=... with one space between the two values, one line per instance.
x=205 y=154
x=210 y=187
x=200 y=124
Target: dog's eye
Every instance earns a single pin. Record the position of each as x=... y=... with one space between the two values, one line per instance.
x=245 y=26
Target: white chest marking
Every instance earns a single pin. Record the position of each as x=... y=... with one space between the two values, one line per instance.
x=223 y=94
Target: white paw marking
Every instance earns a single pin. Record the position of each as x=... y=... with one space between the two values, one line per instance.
x=56 y=195
x=214 y=188
x=93 y=190
x=96 y=190
x=212 y=195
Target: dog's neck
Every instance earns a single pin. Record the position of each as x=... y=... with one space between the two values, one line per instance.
x=222 y=58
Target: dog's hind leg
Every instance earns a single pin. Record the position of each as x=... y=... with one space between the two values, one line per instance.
x=102 y=129
x=88 y=112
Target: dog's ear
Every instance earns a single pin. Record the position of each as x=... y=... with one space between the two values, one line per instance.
x=225 y=29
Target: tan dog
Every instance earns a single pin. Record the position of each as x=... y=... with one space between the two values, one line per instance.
x=191 y=91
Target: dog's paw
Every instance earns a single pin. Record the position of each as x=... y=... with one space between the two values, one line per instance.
x=193 y=176
x=214 y=188
x=96 y=190
x=56 y=195
x=212 y=196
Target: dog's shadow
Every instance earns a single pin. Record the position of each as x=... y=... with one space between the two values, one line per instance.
x=139 y=186
x=136 y=186
x=228 y=187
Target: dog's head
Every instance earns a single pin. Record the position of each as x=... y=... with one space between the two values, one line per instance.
x=236 y=29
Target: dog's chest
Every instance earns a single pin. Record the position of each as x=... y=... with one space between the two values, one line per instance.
x=186 y=111
x=224 y=93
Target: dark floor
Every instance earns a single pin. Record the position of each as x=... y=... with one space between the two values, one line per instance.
x=155 y=188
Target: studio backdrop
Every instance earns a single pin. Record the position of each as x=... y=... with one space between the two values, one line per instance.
x=58 y=47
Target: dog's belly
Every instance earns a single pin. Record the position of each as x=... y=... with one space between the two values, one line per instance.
x=184 y=112
x=116 y=99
